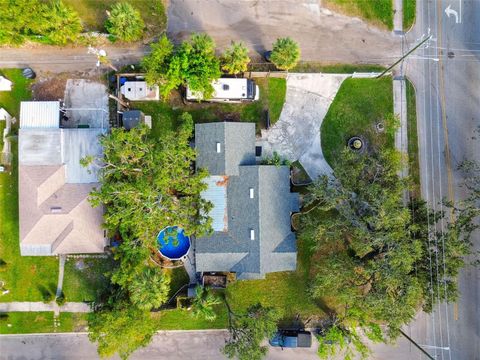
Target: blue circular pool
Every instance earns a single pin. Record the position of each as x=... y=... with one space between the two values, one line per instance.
x=173 y=243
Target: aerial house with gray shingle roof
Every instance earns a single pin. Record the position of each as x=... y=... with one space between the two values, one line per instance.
x=252 y=205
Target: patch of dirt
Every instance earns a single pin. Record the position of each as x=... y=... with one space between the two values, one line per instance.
x=50 y=88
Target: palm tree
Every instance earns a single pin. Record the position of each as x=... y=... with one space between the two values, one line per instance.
x=203 y=303
x=150 y=288
x=63 y=23
x=125 y=22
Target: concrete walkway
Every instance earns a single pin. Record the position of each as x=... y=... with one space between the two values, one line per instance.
x=61 y=270
x=398 y=17
x=296 y=135
x=77 y=307
x=189 y=264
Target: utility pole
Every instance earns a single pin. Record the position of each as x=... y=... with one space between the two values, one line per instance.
x=404 y=56
x=416 y=345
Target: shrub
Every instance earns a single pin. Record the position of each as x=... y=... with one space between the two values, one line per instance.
x=3 y=265
x=61 y=300
x=125 y=22
x=235 y=58
x=285 y=53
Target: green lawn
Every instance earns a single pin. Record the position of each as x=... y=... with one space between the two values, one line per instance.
x=41 y=322
x=165 y=113
x=85 y=278
x=409 y=7
x=181 y=319
x=10 y=100
x=93 y=13
x=318 y=67
x=414 y=167
x=379 y=12
x=357 y=107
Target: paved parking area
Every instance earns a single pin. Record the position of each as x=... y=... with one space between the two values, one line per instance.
x=167 y=345
x=296 y=135
x=322 y=34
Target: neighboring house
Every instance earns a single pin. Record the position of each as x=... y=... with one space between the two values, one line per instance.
x=252 y=205
x=139 y=91
x=5 y=84
x=55 y=214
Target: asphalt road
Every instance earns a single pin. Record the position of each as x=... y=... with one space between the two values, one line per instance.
x=446 y=75
x=167 y=345
x=322 y=35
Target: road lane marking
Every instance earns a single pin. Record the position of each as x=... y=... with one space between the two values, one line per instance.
x=451 y=195
x=449 y=11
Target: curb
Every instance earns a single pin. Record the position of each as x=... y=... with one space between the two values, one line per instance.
x=86 y=333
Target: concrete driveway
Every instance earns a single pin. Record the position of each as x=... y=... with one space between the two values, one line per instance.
x=322 y=34
x=296 y=135
x=167 y=345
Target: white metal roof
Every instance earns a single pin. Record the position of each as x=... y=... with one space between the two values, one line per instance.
x=216 y=193
x=40 y=115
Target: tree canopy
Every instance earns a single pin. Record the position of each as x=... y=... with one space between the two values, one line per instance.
x=125 y=22
x=376 y=253
x=285 y=53
x=235 y=58
x=148 y=184
x=248 y=330
x=122 y=330
x=194 y=64
x=52 y=22
x=203 y=303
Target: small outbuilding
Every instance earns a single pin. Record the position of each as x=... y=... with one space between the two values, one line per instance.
x=132 y=118
x=139 y=91
x=5 y=84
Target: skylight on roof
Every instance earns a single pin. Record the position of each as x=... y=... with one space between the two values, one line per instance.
x=252 y=234
x=219 y=147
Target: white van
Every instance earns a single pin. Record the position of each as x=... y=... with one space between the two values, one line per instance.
x=229 y=90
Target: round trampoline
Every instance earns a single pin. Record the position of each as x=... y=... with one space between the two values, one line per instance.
x=173 y=243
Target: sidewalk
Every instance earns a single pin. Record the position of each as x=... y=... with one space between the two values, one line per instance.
x=400 y=111
x=398 y=17
x=25 y=306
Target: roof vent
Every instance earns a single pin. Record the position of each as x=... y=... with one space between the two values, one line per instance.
x=55 y=209
x=225 y=87
x=252 y=234
x=251 y=193
x=219 y=147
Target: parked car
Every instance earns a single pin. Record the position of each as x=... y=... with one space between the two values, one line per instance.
x=267 y=55
x=292 y=339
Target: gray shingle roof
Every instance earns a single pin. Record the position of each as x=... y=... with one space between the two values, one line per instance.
x=267 y=213
x=237 y=146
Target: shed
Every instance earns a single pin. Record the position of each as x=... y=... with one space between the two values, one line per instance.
x=132 y=118
x=5 y=84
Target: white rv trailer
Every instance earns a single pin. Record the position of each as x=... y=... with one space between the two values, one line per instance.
x=232 y=90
